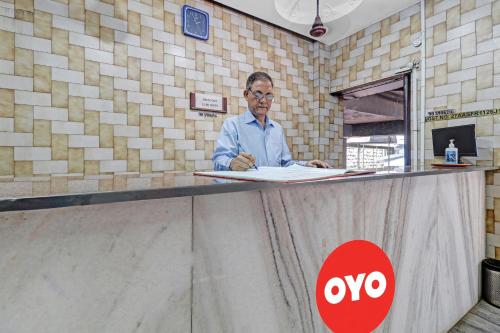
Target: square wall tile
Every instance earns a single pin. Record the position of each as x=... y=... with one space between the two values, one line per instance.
x=6 y=161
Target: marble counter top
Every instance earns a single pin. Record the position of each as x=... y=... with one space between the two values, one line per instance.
x=63 y=191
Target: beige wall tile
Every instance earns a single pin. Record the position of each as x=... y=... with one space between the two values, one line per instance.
x=76 y=111
x=484 y=126
x=23 y=168
x=119 y=148
x=180 y=77
x=91 y=126
x=453 y=17
x=60 y=147
x=469 y=91
x=168 y=149
x=76 y=58
x=107 y=39
x=484 y=28
x=496 y=62
x=92 y=23
x=467 y=5
x=169 y=64
x=7 y=45
x=23 y=119
x=168 y=106
x=91 y=73
x=6 y=103
x=180 y=161
x=133 y=114
x=496 y=12
x=375 y=40
x=190 y=130
x=146 y=37
x=158 y=51
x=179 y=120
x=106 y=88
x=42 y=26
x=60 y=94
x=468 y=45
x=170 y=22
x=485 y=76
x=191 y=48
x=58 y=185
x=133 y=160
x=429 y=88
x=42 y=79
x=77 y=9
x=60 y=42
x=157 y=94
x=23 y=62
x=415 y=23
x=145 y=127
x=106 y=136
x=440 y=33
x=24 y=5
x=157 y=138
x=121 y=9
x=42 y=136
x=158 y=9
x=496 y=156
x=75 y=160
x=120 y=55
x=134 y=23
x=6 y=161
x=386 y=27
x=145 y=167
x=134 y=69
x=146 y=82
x=454 y=61
x=24 y=15
x=120 y=101
x=91 y=168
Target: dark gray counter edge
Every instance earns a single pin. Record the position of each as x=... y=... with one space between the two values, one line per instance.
x=83 y=199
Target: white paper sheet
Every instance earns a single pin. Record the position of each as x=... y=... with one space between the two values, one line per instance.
x=293 y=173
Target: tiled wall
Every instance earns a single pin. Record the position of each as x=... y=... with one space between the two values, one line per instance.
x=90 y=87
x=463 y=73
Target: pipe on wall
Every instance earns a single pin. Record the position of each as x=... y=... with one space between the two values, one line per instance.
x=422 y=85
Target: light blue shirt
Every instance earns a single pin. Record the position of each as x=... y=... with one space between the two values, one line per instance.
x=245 y=133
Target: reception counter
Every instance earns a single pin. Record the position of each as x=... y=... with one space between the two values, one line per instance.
x=179 y=253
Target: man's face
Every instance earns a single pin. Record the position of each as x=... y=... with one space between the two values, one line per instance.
x=259 y=107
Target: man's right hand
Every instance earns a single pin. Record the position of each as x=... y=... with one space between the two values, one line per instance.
x=242 y=162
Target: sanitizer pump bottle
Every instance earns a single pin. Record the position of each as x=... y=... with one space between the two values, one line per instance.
x=451 y=153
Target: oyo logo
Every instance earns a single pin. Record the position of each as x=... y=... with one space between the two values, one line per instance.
x=355 y=287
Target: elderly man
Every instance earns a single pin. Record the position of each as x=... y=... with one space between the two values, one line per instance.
x=252 y=139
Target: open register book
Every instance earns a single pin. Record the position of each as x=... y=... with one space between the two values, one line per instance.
x=292 y=174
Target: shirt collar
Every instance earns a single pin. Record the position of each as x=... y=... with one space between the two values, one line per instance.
x=248 y=117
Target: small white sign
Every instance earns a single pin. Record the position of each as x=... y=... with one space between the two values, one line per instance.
x=207 y=102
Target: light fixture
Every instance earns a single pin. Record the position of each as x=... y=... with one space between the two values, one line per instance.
x=318 y=29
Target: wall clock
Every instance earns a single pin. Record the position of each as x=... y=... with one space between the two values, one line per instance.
x=194 y=22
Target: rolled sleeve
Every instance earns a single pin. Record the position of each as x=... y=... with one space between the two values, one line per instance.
x=227 y=147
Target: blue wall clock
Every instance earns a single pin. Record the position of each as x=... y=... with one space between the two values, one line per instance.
x=194 y=22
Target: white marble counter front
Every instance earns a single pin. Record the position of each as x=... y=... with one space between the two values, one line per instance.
x=242 y=261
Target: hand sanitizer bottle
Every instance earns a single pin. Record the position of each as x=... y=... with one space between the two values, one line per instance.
x=451 y=153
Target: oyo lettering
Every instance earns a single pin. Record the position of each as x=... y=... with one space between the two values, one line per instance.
x=355 y=286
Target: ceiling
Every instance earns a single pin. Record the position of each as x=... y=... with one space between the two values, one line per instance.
x=381 y=107
x=363 y=13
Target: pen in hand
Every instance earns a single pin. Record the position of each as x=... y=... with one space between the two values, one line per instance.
x=249 y=156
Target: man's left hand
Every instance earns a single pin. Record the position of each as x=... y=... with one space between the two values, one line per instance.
x=318 y=164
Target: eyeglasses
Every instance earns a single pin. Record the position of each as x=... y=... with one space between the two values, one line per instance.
x=259 y=95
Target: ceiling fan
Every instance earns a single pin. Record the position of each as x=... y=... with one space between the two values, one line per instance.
x=317 y=29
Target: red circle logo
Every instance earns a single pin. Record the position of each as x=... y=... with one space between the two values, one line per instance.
x=355 y=287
